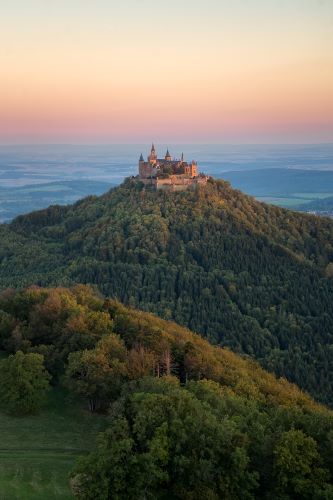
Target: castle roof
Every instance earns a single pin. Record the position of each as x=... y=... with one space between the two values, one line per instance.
x=169 y=162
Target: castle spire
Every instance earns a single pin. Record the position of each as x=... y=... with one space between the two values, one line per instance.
x=141 y=157
x=168 y=156
x=182 y=158
x=152 y=158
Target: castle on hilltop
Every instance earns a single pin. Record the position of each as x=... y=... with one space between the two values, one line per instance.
x=169 y=173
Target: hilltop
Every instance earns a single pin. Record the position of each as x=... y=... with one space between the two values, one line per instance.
x=245 y=275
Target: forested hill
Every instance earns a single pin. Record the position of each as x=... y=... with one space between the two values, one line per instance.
x=253 y=277
x=185 y=419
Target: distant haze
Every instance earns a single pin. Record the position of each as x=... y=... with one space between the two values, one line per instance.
x=31 y=164
x=34 y=177
x=174 y=71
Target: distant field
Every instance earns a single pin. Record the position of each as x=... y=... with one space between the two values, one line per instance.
x=38 y=452
x=23 y=199
x=282 y=182
x=282 y=201
x=34 y=177
x=314 y=196
x=294 y=200
x=284 y=187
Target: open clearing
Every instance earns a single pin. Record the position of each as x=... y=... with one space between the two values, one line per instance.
x=38 y=452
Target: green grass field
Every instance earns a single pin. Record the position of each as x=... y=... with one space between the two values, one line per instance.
x=37 y=453
x=282 y=201
x=293 y=199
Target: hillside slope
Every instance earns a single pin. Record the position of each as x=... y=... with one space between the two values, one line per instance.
x=243 y=274
x=184 y=418
x=59 y=321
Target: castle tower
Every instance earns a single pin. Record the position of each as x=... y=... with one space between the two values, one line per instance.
x=141 y=165
x=168 y=156
x=194 y=169
x=152 y=158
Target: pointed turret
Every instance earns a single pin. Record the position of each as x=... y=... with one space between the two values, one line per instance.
x=141 y=157
x=152 y=158
x=182 y=158
x=168 y=156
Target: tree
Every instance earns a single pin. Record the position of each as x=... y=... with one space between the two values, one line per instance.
x=297 y=466
x=140 y=362
x=166 y=444
x=329 y=270
x=97 y=374
x=24 y=383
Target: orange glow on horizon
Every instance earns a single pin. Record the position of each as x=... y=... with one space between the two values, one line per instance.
x=243 y=81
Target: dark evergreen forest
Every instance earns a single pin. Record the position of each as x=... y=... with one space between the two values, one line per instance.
x=249 y=276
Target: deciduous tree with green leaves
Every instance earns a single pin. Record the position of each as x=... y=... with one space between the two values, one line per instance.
x=24 y=383
x=297 y=466
x=165 y=443
x=97 y=374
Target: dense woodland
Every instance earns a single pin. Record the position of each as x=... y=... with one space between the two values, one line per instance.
x=249 y=276
x=186 y=420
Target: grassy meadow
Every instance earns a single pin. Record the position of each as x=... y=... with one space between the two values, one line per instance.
x=293 y=199
x=38 y=452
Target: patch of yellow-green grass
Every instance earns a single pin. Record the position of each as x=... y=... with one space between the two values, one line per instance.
x=38 y=452
x=282 y=201
x=313 y=196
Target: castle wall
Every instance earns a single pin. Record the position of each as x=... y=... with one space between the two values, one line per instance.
x=147 y=170
x=179 y=183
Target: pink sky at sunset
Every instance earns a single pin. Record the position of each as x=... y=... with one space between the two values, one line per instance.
x=207 y=71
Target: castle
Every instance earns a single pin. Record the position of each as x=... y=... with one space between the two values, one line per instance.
x=168 y=173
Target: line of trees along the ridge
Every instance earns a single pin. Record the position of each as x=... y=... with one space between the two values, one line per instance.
x=249 y=276
x=187 y=420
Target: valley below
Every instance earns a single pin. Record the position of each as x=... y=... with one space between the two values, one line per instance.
x=292 y=176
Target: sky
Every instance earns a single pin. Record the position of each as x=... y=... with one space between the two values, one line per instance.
x=208 y=71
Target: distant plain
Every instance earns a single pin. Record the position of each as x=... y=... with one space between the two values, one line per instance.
x=33 y=177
